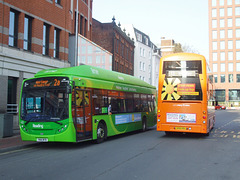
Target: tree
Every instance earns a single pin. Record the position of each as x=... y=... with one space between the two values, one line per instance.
x=177 y=48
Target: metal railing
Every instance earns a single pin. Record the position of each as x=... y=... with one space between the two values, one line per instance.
x=12 y=108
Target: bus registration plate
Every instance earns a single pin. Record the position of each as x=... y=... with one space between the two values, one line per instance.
x=180 y=128
x=42 y=139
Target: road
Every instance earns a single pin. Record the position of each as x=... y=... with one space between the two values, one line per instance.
x=143 y=156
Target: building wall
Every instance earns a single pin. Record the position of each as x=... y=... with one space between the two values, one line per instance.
x=112 y=38
x=224 y=49
x=16 y=63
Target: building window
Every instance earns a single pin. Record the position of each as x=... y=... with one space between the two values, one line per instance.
x=214 y=12
x=13 y=28
x=222 y=34
x=230 y=24
x=230 y=67
x=214 y=23
x=221 y=12
x=238 y=55
x=230 y=33
x=237 y=11
x=238 y=77
x=89 y=60
x=237 y=33
x=222 y=54
x=229 y=2
x=230 y=78
x=237 y=21
x=214 y=45
x=215 y=78
x=234 y=95
x=214 y=2
x=222 y=78
x=220 y=95
x=46 y=33
x=214 y=34
x=58 y=2
x=215 y=68
x=221 y=3
x=222 y=67
x=238 y=67
x=27 y=42
x=98 y=59
x=230 y=44
x=56 y=43
x=222 y=23
x=215 y=57
x=229 y=11
x=237 y=1
x=84 y=59
x=222 y=44
x=230 y=56
x=237 y=44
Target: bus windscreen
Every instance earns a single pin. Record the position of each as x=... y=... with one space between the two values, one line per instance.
x=182 y=80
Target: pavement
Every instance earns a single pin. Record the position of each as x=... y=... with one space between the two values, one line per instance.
x=13 y=142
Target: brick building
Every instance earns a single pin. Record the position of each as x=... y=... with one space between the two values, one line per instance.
x=112 y=38
x=34 y=35
x=167 y=46
x=224 y=49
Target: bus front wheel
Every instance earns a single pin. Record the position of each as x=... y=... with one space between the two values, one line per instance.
x=101 y=133
x=144 y=124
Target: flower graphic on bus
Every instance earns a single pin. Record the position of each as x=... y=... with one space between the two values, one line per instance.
x=169 y=90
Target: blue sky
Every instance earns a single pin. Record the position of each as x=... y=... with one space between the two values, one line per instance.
x=185 y=21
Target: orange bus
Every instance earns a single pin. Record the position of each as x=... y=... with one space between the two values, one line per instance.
x=183 y=95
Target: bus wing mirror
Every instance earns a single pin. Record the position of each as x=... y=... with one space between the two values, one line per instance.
x=69 y=89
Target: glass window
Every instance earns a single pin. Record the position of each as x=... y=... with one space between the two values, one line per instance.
x=214 y=34
x=237 y=1
x=230 y=67
x=220 y=95
x=230 y=33
x=222 y=44
x=230 y=78
x=89 y=60
x=221 y=12
x=214 y=2
x=221 y=2
x=214 y=44
x=222 y=67
x=100 y=101
x=214 y=23
x=222 y=23
x=229 y=2
x=103 y=58
x=237 y=44
x=215 y=67
x=237 y=33
x=234 y=95
x=238 y=67
x=90 y=49
x=237 y=11
x=230 y=44
x=238 y=77
x=27 y=33
x=230 y=24
x=238 y=55
x=13 y=28
x=58 y=2
x=98 y=59
x=84 y=59
x=215 y=78
x=237 y=21
x=214 y=12
x=230 y=56
x=229 y=11
x=222 y=34
x=46 y=31
x=214 y=56
x=222 y=54
x=222 y=78
x=56 y=43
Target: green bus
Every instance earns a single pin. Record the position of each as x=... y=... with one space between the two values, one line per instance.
x=84 y=103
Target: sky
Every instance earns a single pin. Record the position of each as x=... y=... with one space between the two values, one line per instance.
x=185 y=21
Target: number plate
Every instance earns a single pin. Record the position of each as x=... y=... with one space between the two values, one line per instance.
x=180 y=128
x=42 y=139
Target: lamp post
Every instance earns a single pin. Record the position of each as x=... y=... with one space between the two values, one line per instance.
x=76 y=38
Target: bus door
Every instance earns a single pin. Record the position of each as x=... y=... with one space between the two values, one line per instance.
x=82 y=113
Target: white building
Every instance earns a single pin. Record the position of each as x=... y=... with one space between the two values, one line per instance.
x=146 y=56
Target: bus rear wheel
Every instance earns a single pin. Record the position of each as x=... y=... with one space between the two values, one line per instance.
x=101 y=133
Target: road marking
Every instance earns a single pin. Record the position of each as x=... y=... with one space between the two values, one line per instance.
x=14 y=151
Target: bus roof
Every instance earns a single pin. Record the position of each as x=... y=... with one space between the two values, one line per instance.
x=182 y=56
x=92 y=72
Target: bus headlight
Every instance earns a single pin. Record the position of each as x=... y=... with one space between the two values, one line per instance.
x=204 y=122
x=158 y=120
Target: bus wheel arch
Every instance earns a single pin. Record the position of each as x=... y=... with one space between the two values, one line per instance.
x=144 y=123
x=101 y=132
